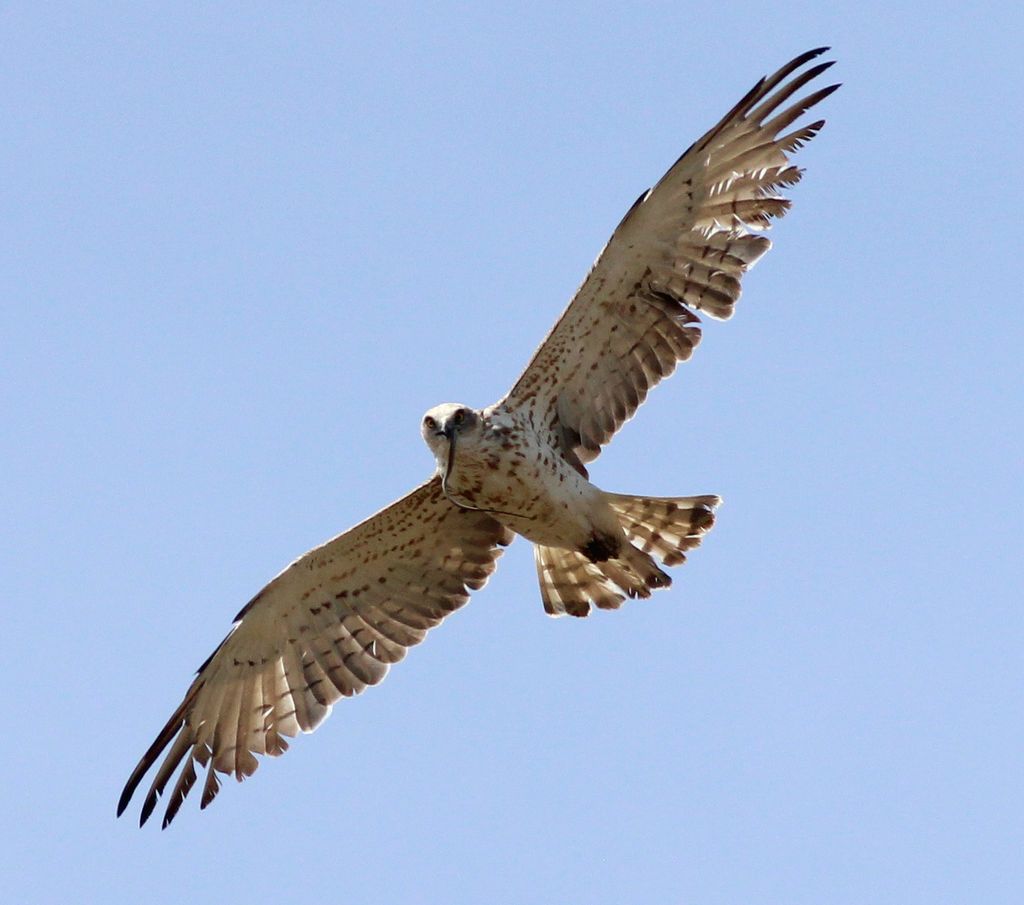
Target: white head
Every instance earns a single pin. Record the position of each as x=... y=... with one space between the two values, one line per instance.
x=444 y=425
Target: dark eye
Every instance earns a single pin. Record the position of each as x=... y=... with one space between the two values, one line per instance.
x=430 y=423
x=460 y=416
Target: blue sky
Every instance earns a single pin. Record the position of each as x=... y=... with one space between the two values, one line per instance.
x=245 y=246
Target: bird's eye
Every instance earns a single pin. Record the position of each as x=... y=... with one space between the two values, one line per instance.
x=430 y=423
x=460 y=416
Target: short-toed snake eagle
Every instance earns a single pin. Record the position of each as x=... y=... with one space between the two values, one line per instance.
x=335 y=620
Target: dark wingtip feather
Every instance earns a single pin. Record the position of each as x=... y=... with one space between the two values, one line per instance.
x=147 y=808
x=817 y=70
x=210 y=788
x=807 y=56
x=768 y=83
x=153 y=753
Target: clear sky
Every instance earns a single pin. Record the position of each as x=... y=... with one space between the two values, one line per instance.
x=245 y=246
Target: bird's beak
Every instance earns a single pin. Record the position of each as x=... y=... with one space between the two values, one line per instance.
x=449 y=432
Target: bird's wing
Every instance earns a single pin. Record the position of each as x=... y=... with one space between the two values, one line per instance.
x=682 y=247
x=329 y=625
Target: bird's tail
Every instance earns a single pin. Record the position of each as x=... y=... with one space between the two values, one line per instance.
x=662 y=528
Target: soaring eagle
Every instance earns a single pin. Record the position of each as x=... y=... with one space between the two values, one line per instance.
x=335 y=620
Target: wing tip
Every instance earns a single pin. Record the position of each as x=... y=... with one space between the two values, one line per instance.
x=809 y=55
x=818 y=69
x=123 y=801
x=148 y=806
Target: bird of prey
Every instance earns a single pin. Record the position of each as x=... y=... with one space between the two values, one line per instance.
x=335 y=620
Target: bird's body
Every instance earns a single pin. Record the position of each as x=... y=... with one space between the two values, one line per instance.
x=334 y=621
x=503 y=465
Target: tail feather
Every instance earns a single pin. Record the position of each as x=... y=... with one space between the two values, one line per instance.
x=667 y=527
x=570 y=583
x=662 y=528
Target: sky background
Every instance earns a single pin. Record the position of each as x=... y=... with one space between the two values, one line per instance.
x=243 y=247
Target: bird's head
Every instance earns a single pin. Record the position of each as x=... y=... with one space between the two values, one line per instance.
x=447 y=423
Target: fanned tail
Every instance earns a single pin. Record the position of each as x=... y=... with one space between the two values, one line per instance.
x=667 y=527
x=662 y=528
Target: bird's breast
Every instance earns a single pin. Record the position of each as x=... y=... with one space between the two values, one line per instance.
x=526 y=484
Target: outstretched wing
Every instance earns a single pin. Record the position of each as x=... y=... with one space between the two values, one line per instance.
x=329 y=625
x=681 y=248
